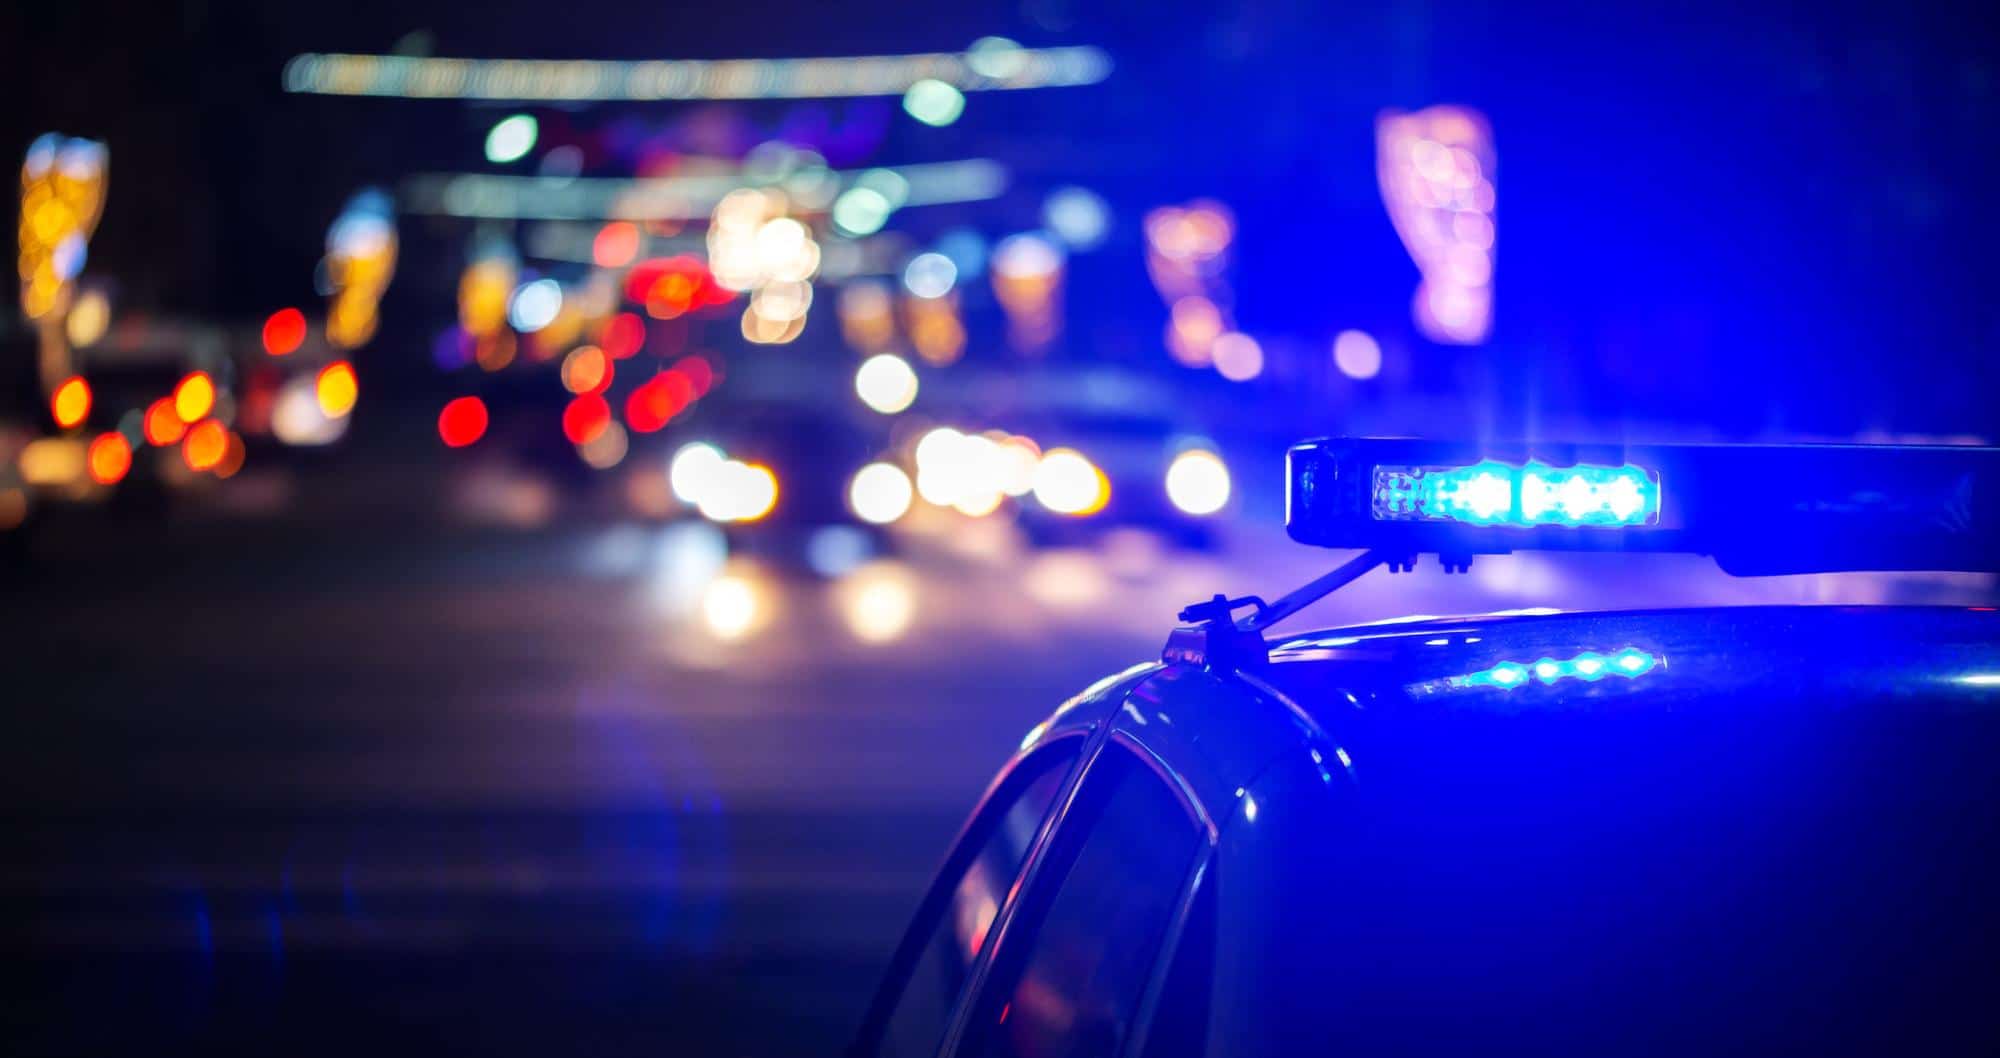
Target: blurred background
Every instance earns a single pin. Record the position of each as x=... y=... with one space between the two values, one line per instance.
x=526 y=527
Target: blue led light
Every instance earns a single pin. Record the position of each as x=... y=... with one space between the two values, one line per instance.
x=1493 y=493
x=1589 y=666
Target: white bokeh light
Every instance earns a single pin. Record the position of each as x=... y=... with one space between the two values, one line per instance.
x=1198 y=482
x=880 y=493
x=692 y=469
x=886 y=383
x=1069 y=483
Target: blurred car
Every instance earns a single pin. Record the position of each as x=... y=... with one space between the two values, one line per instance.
x=1749 y=829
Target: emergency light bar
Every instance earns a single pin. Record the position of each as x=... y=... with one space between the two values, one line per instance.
x=1758 y=509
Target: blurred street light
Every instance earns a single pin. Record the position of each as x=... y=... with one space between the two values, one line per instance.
x=886 y=383
x=1198 y=482
x=511 y=138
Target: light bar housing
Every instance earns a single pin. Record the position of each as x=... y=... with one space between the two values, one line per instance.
x=1758 y=509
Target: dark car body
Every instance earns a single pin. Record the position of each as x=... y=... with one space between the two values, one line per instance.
x=1775 y=829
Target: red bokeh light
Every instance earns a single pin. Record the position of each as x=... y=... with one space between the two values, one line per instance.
x=462 y=422
x=698 y=372
x=616 y=244
x=284 y=332
x=624 y=335
x=585 y=418
x=657 y=401
x=672 y=286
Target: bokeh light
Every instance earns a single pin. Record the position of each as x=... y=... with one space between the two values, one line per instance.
x=1198 y=482
x=585 y=417
x=361 y=249
x=860 y=211
x=55 y=462
x=535 y=305
x=607 y=449
x=62 y=195
x=163 y=425
x=88 y=318
x=930 y=275
x=205 y=444
x=337 y=389
x=1068 y=483
x=233 y=456
x=1356 y=354
x=878 y=602
x=511 y=138
x=737 y=492
x=70 y=404
x=616 y=244
x=194 y=397
x=731 y=607
x=880 y=493
x=110 y=458
x=297 y=417
x=1436 y=172
x=886 y=383
x=650 y=406
x=586 y=370
x=462 y=422
x=933 y=102
x=284 y=332
x=484 y=289
x=1027 y=275
x=623 y=335
x=692 y=470
x=1079 y=217
x=1238 y=357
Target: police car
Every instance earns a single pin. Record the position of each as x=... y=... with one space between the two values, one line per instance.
x=1747 y=830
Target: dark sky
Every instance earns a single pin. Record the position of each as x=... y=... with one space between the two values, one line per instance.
x=1773 y=218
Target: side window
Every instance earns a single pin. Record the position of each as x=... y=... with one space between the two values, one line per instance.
x=1180 y=1016
x=1069 y=983
x=958 y=933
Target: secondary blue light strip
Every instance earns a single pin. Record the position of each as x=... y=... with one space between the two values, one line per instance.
x=1494 y=493
x=1590 y=666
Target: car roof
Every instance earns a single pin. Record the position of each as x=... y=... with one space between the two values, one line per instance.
x=1667 y=658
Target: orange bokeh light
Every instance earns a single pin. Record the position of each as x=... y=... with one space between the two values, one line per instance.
x=194 y=397
x=586 y=370
x=110 y=458
x=71 y=403
x=205 y=445
x=617 y=243
x=337 y=389
x=232 y=457
x=163 y=424
x=284 y=332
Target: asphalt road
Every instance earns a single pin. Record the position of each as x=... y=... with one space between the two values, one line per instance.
x=285 y=790
x=308 y=787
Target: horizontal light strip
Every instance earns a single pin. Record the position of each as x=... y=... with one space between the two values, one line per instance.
x=1492 y=493
x=574 y=80
x=1590 y=666
x=666 y=198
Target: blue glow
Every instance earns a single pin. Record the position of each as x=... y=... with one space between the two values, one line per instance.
x=1589 y=666
x=1493 y=493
